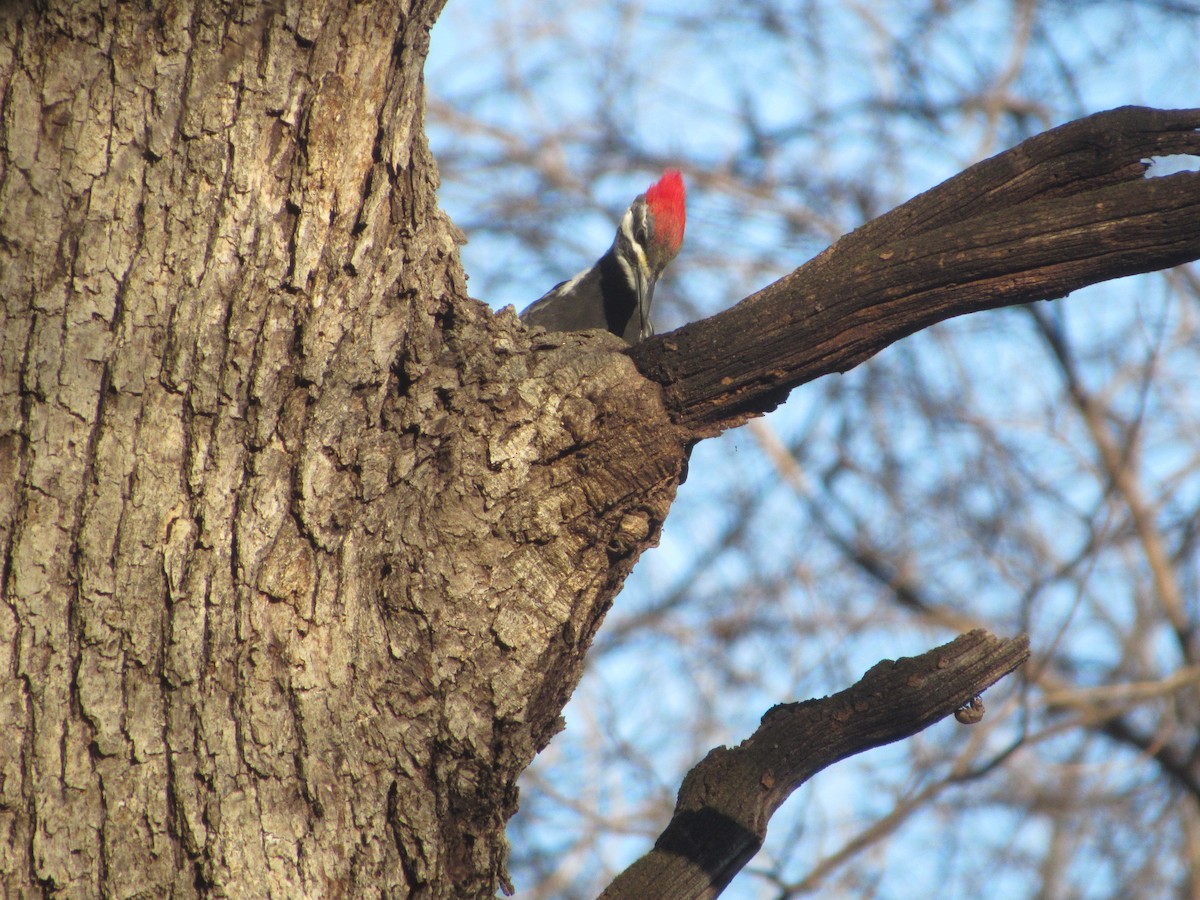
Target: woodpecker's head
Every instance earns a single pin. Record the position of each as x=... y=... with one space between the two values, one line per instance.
x=650 y=235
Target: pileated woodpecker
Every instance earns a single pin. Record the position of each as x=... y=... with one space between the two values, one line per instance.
x=616 y=292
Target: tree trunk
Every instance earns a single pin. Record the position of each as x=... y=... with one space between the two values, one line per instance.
x=268 y=620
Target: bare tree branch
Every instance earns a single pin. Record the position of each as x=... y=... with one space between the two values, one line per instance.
x=1065 y=209
x=726 y=801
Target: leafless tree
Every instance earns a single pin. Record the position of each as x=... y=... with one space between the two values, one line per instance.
x=304 y=550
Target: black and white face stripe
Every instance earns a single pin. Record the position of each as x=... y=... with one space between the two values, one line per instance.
x=631 y=244
x=631 y=249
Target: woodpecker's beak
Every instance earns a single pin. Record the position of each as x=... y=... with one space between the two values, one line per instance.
x=645 y=294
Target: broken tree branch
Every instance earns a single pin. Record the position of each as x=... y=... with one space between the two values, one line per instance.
x=726 y=801
x=1065 y=209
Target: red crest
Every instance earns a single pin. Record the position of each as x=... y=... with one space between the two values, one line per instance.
x=666 y=199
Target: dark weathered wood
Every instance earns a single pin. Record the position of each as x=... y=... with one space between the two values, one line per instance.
x=1062 y=210
x=727 y=799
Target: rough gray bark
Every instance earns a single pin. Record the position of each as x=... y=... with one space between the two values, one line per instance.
x=215 y=222
x=302 y=548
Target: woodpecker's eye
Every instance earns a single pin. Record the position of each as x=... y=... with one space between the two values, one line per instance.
x=639 y=235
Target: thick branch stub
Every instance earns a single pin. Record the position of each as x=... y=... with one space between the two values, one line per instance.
x=1062 y=210
x=726 y=801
